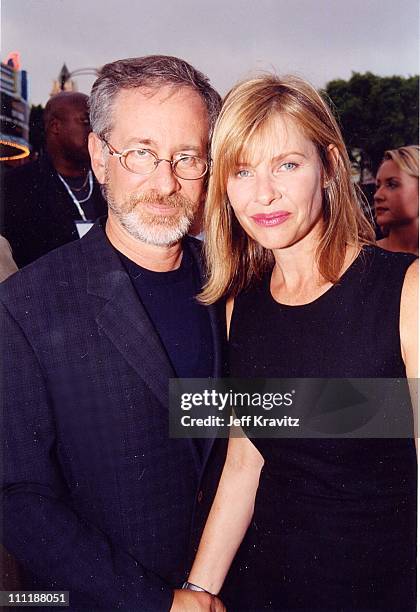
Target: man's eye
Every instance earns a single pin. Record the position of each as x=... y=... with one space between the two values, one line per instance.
x=187 y=161
x=142 y=153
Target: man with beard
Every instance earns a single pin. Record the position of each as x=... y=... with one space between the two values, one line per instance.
x=55 y=199
x=97 y=499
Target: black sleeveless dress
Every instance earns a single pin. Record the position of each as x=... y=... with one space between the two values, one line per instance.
x=335 y=519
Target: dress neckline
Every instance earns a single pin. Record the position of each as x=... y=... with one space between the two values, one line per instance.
x=330 y=291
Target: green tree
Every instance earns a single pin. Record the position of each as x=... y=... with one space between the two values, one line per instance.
x=375 y=113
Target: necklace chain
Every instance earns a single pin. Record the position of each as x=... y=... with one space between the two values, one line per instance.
x=77 y=202
x=83 y=185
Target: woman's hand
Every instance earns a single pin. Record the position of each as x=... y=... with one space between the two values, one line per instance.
x=189 y=601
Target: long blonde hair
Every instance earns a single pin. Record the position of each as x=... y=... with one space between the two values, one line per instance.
x=233 y=258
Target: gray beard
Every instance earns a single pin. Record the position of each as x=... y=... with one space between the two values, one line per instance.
x=158 y=234
x=157 y=230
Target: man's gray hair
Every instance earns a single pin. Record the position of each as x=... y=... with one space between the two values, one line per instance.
x=149 y=71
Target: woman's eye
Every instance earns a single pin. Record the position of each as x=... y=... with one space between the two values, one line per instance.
x=393 y=185
x=242 y=173
x=288 y=166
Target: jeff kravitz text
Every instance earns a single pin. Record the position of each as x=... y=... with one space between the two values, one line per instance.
x=244 y=421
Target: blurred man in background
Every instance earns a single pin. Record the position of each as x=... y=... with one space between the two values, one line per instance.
x=54 y=199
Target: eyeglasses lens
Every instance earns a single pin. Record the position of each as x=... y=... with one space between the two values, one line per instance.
x=141 y=161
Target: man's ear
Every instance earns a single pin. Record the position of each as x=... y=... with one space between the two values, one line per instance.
x=53 y=126
x=97 y=157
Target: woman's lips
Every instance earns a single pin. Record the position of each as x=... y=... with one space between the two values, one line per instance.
x=271 y=219
x=380 y=210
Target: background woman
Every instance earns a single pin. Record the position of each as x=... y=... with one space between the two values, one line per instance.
x=397 y=199
x=334 y=520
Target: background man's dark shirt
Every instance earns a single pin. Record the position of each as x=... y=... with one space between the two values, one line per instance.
x=38 y=214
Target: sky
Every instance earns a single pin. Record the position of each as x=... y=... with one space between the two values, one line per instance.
x=228 y=40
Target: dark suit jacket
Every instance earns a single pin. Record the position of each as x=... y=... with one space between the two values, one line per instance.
x=97 y=499
x=38 y=213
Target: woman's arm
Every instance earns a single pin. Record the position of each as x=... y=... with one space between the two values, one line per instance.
x=229 y=516
x=409 y=333
x=409 y=320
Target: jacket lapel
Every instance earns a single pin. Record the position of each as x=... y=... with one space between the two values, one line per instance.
x=218 y=327
x=216 y=313
x=123 y=318
x=126 y=323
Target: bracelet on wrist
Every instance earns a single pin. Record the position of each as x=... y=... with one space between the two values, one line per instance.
x=189 y=586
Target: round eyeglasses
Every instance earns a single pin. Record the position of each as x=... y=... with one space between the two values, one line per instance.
x=143 y=161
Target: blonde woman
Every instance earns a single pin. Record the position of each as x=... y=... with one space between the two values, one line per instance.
x=397 y=199
x=331 y=521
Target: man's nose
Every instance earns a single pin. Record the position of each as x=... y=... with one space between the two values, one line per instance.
x=163 y=179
